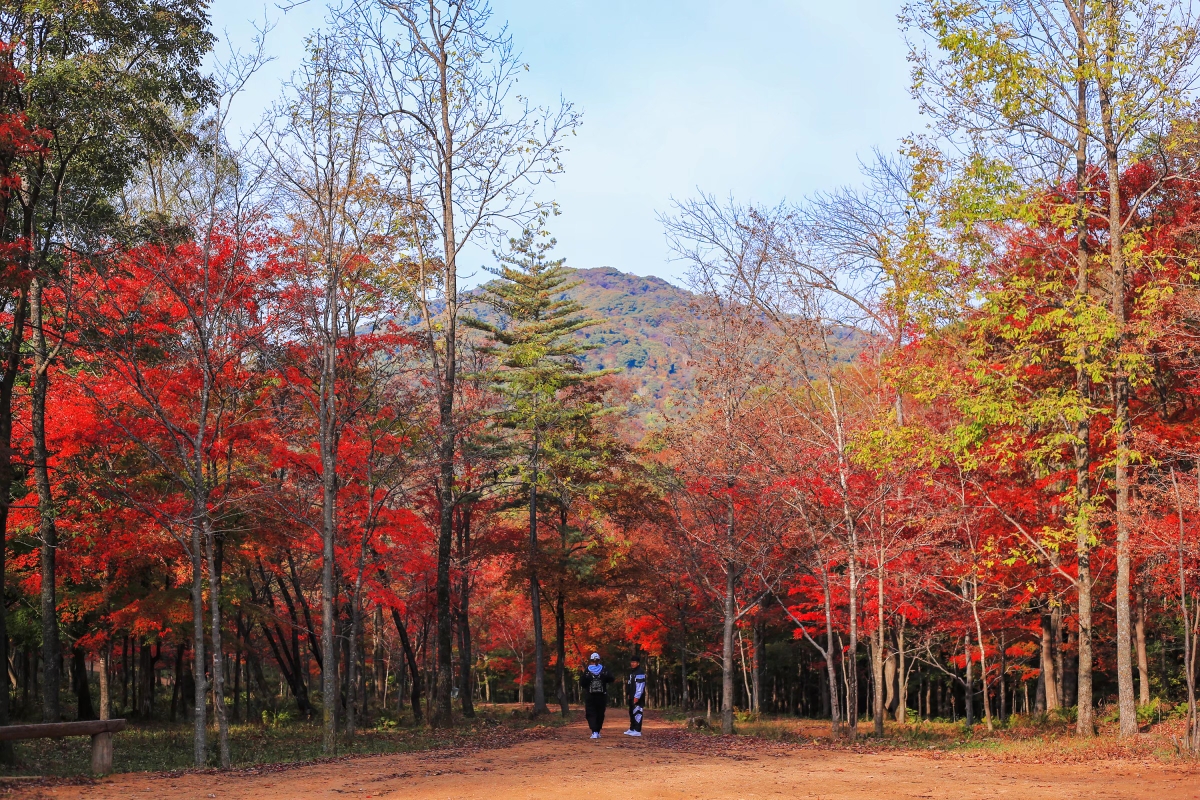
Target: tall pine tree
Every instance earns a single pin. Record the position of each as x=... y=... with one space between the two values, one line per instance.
x=537 y=370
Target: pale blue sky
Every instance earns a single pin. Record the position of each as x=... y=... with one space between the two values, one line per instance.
x=762 y=99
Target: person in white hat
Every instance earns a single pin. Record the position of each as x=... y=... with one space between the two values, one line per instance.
x=594 y=682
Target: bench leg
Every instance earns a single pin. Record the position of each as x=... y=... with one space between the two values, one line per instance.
x=101 y=754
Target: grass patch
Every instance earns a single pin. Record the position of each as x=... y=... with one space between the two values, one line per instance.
x=1045 y=738
x=168 y=748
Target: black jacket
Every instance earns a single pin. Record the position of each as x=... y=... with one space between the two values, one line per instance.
x=595 y=685
x=635 y=687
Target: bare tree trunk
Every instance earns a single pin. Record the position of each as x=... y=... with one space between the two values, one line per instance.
x=969 y=683
x=199 y=668
x=105 y=700
x=987 y=704
x=727 y=652
x=535 y=598
x=352 y=673
x=12 y=365
x=902 y=676
x=411 y=658
x=683 y=667
x=1126 y=700
x=1142 y=658
x=449 y=379
x=47 y=530
x=1050 y=679
x=218 y=653
x=327 y=444
x=560 y=632
x=877 y=658
x=1084 y=721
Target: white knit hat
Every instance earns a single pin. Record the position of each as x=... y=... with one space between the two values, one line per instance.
x=595 y=657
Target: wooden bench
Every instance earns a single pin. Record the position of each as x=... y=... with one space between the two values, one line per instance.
x=101 y=731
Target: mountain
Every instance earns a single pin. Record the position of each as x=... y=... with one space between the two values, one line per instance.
x=639 y=333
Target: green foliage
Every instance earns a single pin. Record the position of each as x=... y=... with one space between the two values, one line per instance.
x=537 y=354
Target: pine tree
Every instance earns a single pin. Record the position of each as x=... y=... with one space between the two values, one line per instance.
x=537 y=370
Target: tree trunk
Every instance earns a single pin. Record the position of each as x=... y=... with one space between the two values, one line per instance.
x=105 y=699
x=199 y=715
x=352 y=674
x=215 y=635
x=1084 y=721
x=83 y=688
x=327 y=444
x=8 y=378
x=902 y=676
x=1049 y=679
x=47 y=530
x=757 y=663
x=969 y=684
x=560 y=633
x=727 y=652
x=877 y=709
x=1142 y=658
x=411 y=658
x=466 y=656
x=1126 y=699
x=535 y=599
x=449 y=377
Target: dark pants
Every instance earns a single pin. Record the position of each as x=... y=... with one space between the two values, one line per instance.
x=593 y=709
x=635 y=717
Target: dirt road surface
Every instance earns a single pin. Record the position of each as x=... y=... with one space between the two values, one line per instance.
x=666 y=763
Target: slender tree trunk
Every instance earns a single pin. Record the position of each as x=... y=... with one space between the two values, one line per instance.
x=448 y=431
x=105 y=699
x=1142 y=658
x=683 y=667
x=466 y=655
x=852 y=672
x=218 y=652
x=352 y=674
x=1049 y=678
x=902 y=674
x=877 y=658
x=535 y=598
x=757 y=664
x=413 y=668
x=1126 y=699
x=987 y=704
x=83 y=687
x=327 y=444
x=1084 y=722
x=199 y=716
x=727 y=651
x=47 y=530
x=969 y=683
x=12 y=366
x=560 y=632
x=830 y=664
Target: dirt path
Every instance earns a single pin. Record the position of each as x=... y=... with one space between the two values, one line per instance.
x=666 y=763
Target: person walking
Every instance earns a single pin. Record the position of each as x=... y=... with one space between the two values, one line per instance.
x=635 y=686
x=594 y=682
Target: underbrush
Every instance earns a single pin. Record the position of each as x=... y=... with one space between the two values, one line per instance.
x=281 y=740
x=1047 y=738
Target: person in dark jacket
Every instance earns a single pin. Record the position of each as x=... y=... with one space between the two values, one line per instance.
x=635 y=690
x=594 y=682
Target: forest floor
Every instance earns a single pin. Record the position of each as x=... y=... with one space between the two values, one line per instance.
x=670 y=762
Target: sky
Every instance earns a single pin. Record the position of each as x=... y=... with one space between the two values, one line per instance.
x=759 y=100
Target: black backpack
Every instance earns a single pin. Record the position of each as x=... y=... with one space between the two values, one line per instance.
x=596 y=682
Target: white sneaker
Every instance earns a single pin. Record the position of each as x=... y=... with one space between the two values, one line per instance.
x=595 y=735
x=634 y=733
x=630 y=733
